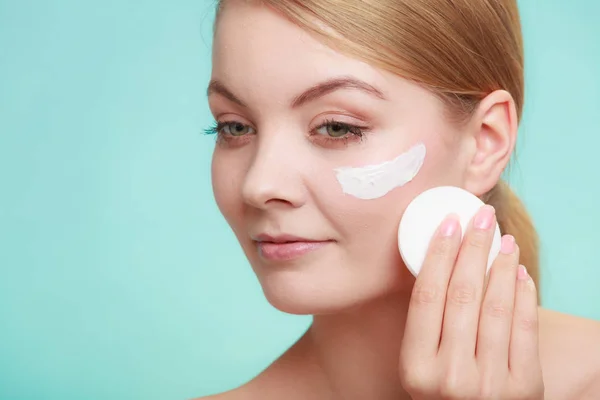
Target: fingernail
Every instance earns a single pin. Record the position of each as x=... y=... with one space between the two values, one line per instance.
x=484 y=218
x=450 y=226
x=508 y=244
x=522 y=273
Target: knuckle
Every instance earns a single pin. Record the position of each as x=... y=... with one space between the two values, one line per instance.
x=478 y=239
x=528 y=324
x=441 y=247
x=497 y=310
x=416 y=380
x=426 y=293
x=457 y=382
x=451 y=388
x=528 y=389
x=462 y=293
x=485 y=394
x=487 y=390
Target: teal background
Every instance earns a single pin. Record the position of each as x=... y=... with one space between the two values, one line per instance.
x=119 y=279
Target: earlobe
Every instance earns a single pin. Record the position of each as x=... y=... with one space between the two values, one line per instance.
x=494 y=125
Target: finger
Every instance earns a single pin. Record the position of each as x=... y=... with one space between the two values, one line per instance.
x=495 y=319
x=524 y=351
x=424 y=320
x=463 y=300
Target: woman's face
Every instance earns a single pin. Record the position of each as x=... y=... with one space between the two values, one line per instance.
x=286 y=125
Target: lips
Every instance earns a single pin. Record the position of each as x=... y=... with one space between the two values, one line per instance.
x=286 y=247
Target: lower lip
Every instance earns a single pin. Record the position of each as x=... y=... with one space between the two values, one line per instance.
x=288 y=251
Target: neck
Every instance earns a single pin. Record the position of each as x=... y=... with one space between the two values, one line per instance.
x=358 y=350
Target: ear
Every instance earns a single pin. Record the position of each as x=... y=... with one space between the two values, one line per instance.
x=494 y=129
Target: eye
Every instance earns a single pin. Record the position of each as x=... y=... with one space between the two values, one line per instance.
x=234 y=129
x=333 y=129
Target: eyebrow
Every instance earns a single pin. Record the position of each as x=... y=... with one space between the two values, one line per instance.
x=313 y=93
x=332 y=85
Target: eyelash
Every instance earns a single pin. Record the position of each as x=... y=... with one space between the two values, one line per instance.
x=354 y=131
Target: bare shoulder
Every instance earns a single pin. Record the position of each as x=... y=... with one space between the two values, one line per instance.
x=257 y=388
x=570 y=355
x=295 y=375
x=240 y=393
x=570 y=330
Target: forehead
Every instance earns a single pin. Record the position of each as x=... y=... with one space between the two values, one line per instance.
x=253 y=41
x=268 y=60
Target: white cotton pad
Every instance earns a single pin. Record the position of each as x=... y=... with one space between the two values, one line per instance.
x=424 y=215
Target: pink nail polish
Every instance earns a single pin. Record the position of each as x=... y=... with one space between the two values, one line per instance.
x=449 y=226
x=484 y=218
x=522 y=273
x=508 y=244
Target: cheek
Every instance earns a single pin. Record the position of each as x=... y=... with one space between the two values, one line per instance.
x=442 y=167
x=355 y=217
x=226 y=180
x=359 y=222
x=352 y=216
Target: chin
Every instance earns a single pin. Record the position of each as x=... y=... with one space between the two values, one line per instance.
x=331 y=280
x=303 y=292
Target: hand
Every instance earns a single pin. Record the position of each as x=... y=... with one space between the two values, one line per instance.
x=466 y=340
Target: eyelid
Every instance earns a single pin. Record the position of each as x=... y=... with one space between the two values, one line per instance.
x=339 y=122
x=232 y=117
x=342 y=118
x=323 y=119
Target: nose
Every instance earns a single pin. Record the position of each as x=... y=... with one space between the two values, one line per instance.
x=274 y=177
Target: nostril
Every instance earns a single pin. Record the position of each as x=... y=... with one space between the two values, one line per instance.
x=271 y=189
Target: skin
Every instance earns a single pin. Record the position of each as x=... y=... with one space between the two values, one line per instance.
x=377 y=331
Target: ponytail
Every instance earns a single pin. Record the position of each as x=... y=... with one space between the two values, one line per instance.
x=514 y=220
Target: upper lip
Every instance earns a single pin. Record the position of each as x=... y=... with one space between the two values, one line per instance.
x=283 y=238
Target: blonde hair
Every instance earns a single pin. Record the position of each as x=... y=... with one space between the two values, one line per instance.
x=460 y=50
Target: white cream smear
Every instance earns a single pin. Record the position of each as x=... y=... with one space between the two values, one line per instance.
x=375 y=181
